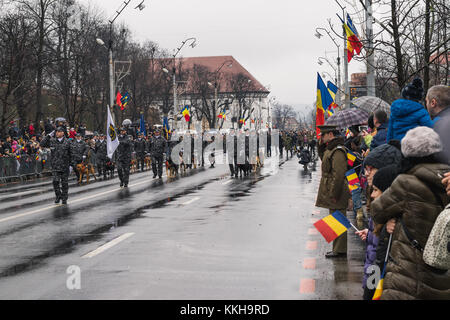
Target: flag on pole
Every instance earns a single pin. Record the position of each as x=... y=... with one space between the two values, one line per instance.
x=142 y=125
x=324 y=100
x=124 y=100
x=353 y=43
x=186 y=114
x=166 y=127
x=118 y=100
x=112 y=139
x=351 y=25
x=333 y=226
x=332 y=89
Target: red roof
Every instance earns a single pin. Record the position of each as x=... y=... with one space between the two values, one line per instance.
x=214 y=63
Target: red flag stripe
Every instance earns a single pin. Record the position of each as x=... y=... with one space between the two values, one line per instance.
x=325 y=230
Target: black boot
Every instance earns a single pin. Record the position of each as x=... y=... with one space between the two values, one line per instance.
x=57 y=199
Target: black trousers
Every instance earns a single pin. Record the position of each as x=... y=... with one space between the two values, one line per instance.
x=123 y=170
x=140 y=159
x=61 y=184
x=157 y=163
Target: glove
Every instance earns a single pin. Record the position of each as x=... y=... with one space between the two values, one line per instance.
x=52 y=134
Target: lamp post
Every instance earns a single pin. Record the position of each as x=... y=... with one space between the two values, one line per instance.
x=318 y=35
x=174 y=80
x=335 y=71
x=347 y=88
x=141 y=6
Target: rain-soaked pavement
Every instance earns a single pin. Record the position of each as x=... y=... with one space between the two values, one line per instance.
x=201 y=236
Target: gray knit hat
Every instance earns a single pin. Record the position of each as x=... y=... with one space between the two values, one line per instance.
x=421 y=142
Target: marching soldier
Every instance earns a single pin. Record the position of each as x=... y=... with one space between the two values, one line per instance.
x=140 y=147
x=123 y=157
x=333 y=191
x=79 y=151
x=158 y=148
x=101 y=152
x=60 y=148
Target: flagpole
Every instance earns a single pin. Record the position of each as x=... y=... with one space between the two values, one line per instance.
x=354 y=227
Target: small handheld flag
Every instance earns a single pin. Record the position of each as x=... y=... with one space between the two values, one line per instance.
x=351 y=158
x=379 y=289
x=333 y=226
x=352 y=177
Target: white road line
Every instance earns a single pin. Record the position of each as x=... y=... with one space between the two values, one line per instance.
x=108 y=245
x=225 y=183
x=190 y=201
x=69 y=202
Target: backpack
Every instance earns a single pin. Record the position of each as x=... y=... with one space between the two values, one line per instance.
x=437 y=248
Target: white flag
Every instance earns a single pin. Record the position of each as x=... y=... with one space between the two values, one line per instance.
x=112 y=139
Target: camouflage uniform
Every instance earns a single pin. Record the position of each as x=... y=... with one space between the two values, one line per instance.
x=157 y=150
x=140 y=147
x=60 y=162
x=123 y=158
x=79 y=151
x=101 y=152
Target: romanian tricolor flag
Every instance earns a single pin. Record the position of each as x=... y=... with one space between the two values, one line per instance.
x=352 y=177
x=379 y=289
x=118 y=100
x=332 y=226
x=332 y=89
x=186 y=114
x=324 y=100
x=124 y=100
x=330 y=112
x=353 y=43
x=222 y=115
x=242 y=121
x=351 y=158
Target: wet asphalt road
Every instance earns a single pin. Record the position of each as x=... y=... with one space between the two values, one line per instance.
x=201 y=236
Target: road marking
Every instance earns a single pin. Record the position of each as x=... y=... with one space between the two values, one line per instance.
x=190 y=201
x=108 y=245
x=311 y=245
x=69 y=202
x=312 y=231
x=309 y=263
x=225 y=183
x=307 y=286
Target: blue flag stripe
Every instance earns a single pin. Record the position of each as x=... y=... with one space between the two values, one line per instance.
x=342 y=219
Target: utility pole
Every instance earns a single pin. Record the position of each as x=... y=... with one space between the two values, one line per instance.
x=371 y=87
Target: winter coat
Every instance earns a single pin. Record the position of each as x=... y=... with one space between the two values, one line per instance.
x=411 y=198
x=60 y=152
x=158 y=147
x=140 y=146
x=371 y=251
x=101 y=150
x=380 y=138
x=442 y=127
x=333 y=184
x=124 y=149
x=406 y=115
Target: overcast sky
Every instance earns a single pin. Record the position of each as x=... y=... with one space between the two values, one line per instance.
x=273 y=39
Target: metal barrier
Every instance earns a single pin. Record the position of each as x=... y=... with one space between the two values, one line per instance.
x=24 y=167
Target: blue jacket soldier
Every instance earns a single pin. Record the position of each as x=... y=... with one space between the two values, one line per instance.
x=60 y=160
x=158 y=148
x=123 y=157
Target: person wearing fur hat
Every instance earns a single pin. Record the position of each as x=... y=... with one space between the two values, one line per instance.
x=408 y=113
x=415 y=198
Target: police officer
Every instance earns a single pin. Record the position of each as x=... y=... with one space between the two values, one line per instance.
x=123 y=157
x=79 y=151
x=140 y=147
x=158 y=148
x=60 y=148
x=333 y=190
x=101 y=152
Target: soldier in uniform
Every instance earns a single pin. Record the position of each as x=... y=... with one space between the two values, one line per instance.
x=333 y=190
x=60 y=148
x=101 y=152
x=79 y=151
x=123 y=157
x=140 y=147
x=158 y=148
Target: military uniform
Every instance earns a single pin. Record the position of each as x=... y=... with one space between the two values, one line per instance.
x=60 y=162
x=123 y=159
x=158 y=148
x=79 y=151
x=140 y=147
x=333 y=190
x=101 y=152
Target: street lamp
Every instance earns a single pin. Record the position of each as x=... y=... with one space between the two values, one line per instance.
x=331 y=65
x=102 y=43
x=319 y=35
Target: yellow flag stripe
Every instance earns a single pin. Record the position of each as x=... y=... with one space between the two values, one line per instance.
x=352 y=177
x=335 y=225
